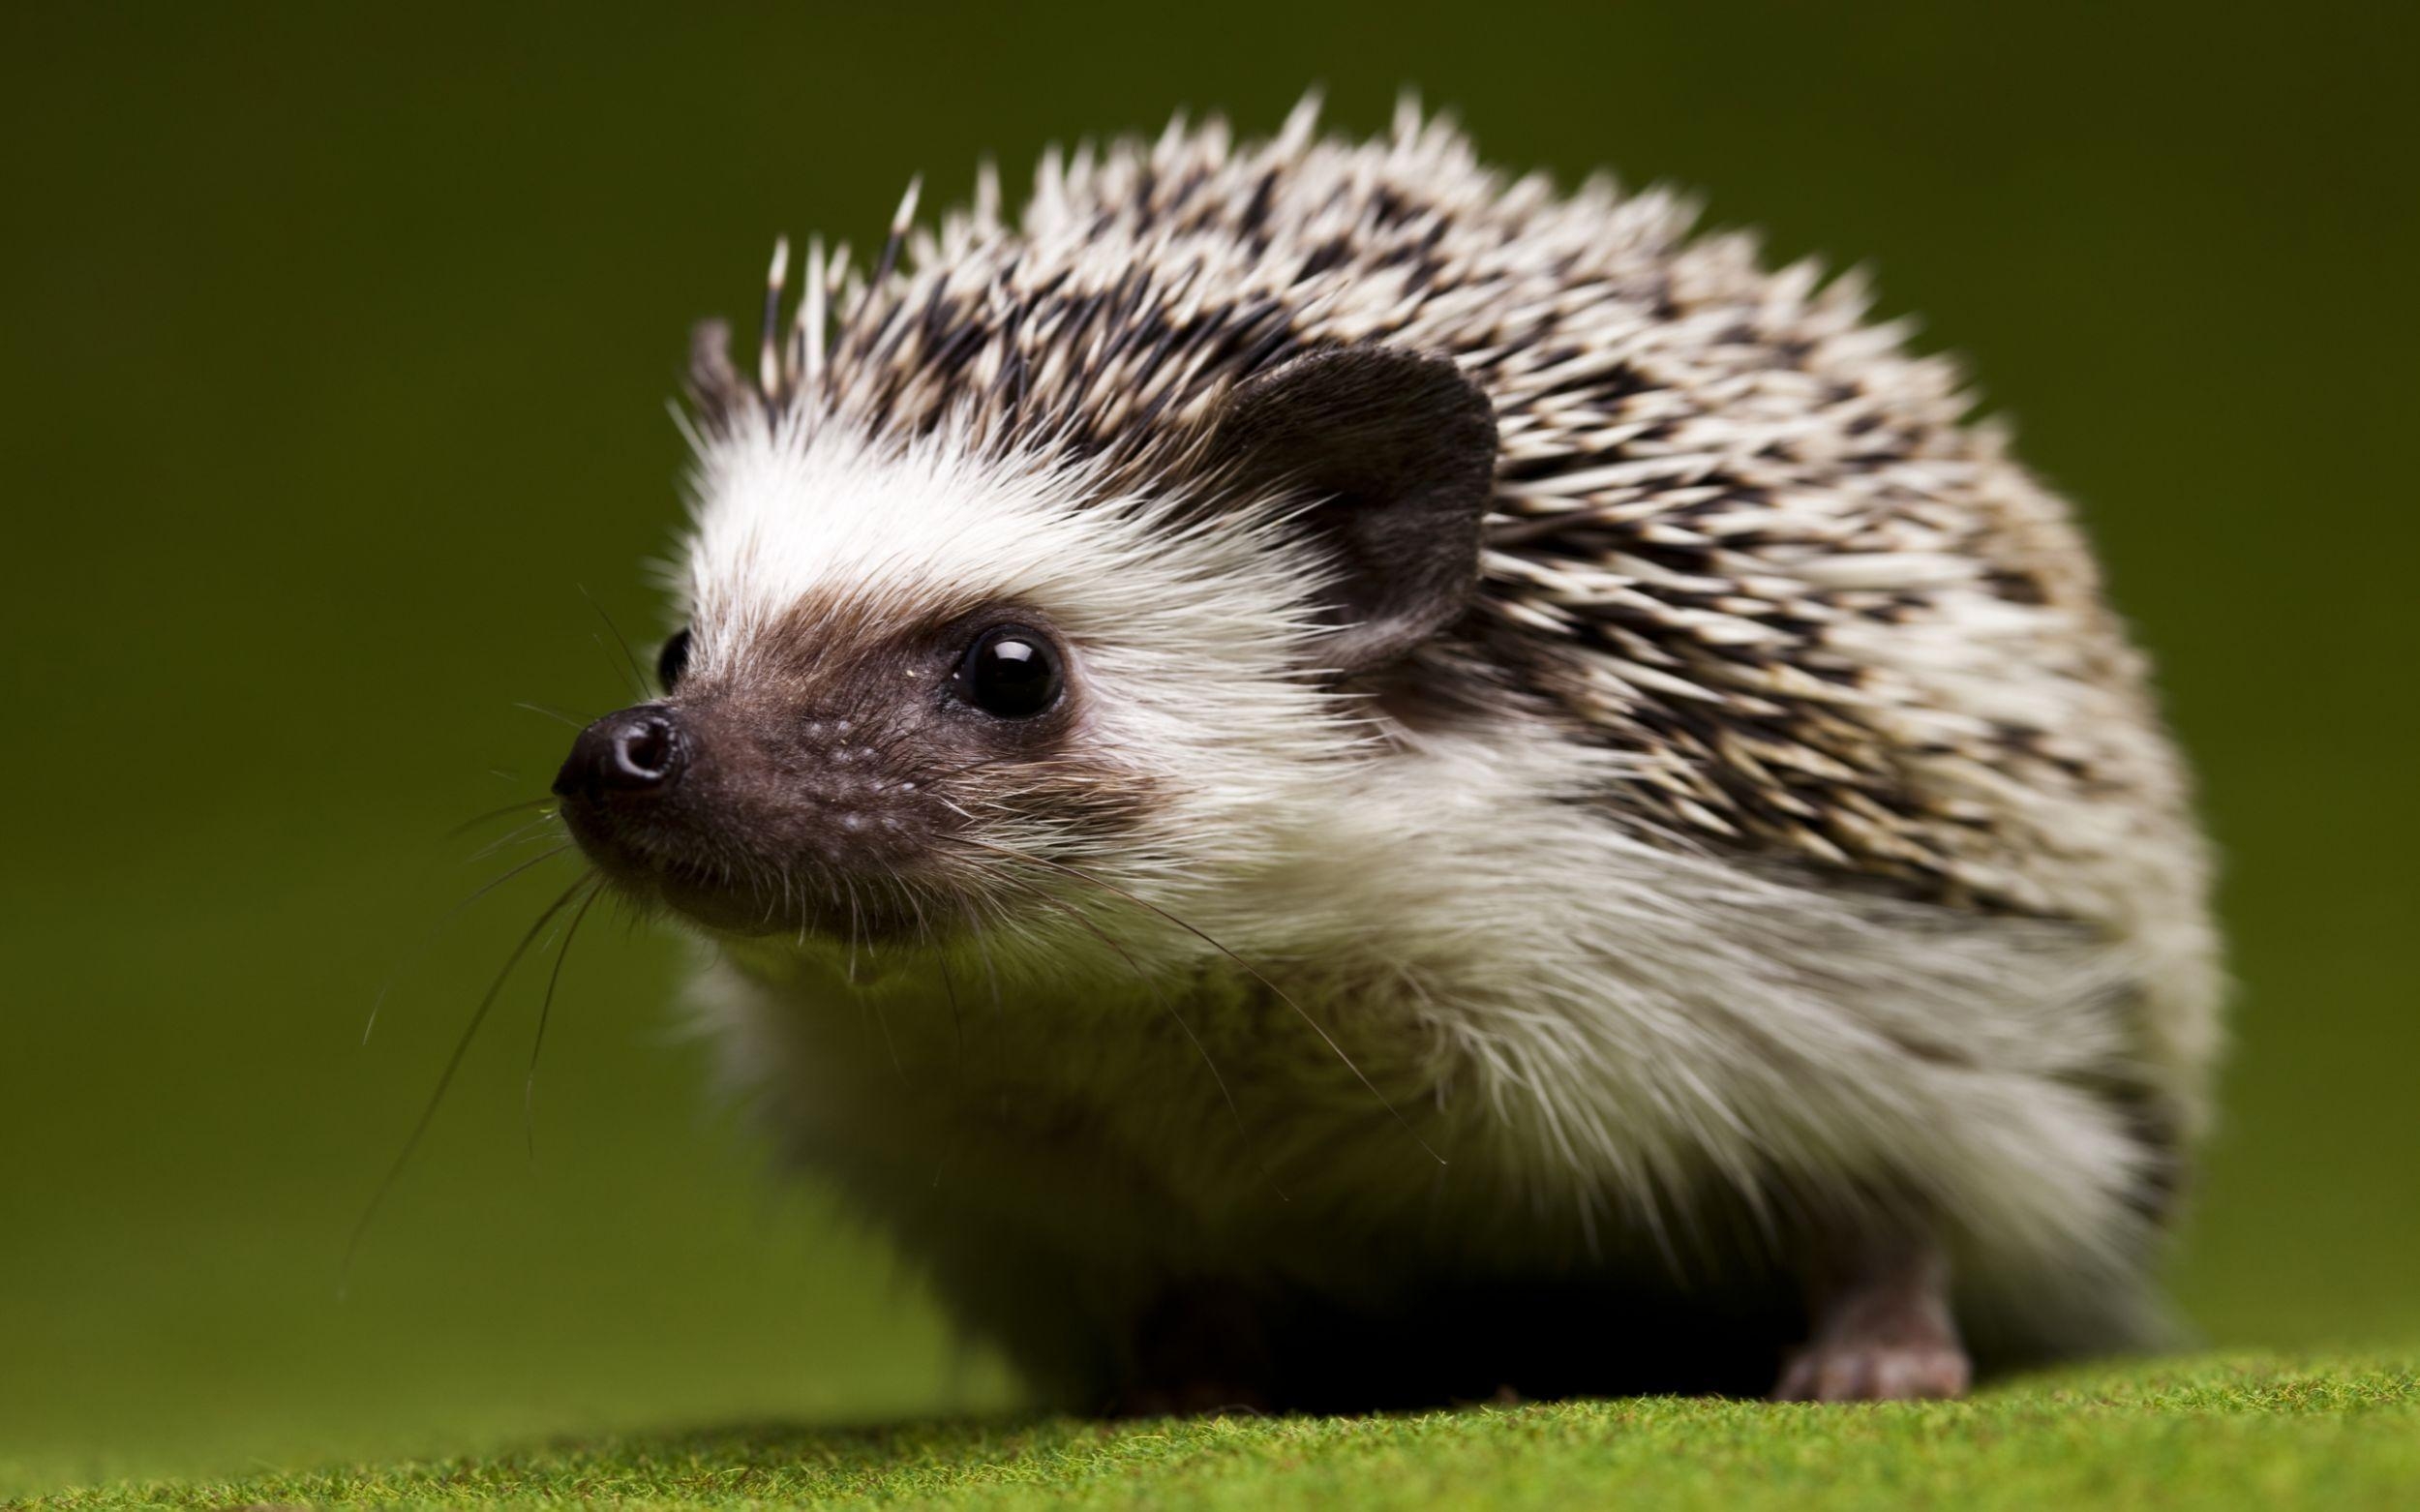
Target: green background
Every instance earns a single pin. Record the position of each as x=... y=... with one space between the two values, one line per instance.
x=337 y=349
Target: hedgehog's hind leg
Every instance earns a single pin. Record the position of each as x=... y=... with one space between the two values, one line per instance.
x=1880 y=1327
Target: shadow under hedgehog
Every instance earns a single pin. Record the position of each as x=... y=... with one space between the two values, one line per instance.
x=1325 y=780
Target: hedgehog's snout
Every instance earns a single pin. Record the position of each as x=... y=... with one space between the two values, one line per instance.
x=624 y=788
x=739 y=814
x=840 y=787
x=634 y=752
x=628 y=792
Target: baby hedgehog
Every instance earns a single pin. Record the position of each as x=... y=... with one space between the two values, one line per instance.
x=1321 y=780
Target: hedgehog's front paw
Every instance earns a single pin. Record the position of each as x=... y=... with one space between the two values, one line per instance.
x=1882 y=1329
x=1874 y=1369
x=1200 y=1349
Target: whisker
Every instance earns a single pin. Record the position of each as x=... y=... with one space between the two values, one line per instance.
x=982 y=952
x=494 y=814
x=925 y=935
x=629 y=661
x=949 y=991
x=412 y=957
x=1253 y=971
x=551 y=714
x=519 y=835
x=882 y=1021
x=546 y=1008
x=851 y=883
x=957 y=1023
x=445 y=1080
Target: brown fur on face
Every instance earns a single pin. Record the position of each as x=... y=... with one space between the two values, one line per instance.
x=832 y=778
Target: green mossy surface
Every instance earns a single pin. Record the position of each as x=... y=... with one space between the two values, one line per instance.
x=2216 y=1432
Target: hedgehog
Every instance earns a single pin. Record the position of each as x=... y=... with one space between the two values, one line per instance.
x=1323 y=779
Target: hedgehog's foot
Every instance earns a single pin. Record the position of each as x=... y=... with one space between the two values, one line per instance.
x=1201 y=1349
x=1882 y=1329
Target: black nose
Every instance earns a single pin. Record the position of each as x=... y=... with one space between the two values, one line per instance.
x=633 y=751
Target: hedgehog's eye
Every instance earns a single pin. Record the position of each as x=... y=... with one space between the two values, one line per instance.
x=1011 y=671
x=672 y=661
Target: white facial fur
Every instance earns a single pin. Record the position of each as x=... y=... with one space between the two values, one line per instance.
x=1189 y=644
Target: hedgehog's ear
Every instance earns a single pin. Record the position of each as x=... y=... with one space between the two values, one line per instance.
x=1396 y=451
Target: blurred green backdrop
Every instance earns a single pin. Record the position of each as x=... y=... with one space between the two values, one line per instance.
x=337 y=352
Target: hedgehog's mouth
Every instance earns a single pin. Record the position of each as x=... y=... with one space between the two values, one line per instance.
x=726 y=891
x=719 y=905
